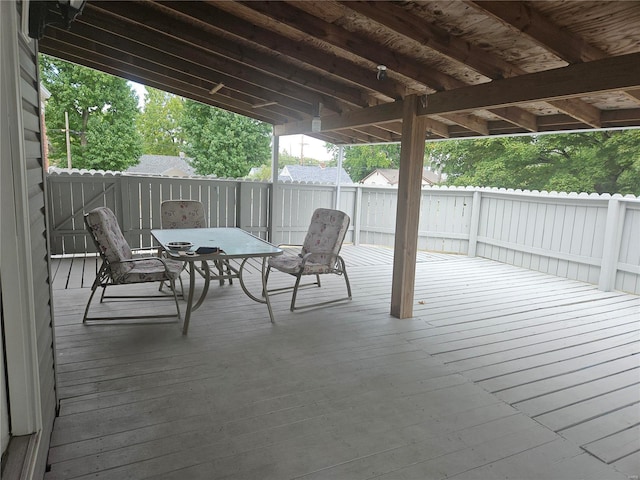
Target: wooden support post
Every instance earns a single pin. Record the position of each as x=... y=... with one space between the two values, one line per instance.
x=273 y=203
x=408 y=210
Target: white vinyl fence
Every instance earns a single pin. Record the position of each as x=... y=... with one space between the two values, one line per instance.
x=591 y=238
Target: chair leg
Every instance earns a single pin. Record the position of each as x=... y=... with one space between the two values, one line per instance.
x=104 y=291
x=342 y=270
x=295 y=292
x=346 y=277
x=175 y=296
x=86 y=310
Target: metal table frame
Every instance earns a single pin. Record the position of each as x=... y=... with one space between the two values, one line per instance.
x=234 y=243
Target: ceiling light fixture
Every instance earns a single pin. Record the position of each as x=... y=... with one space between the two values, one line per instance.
x=59 y=14
x=316 y=124
x=382 y=72
x=316 y=121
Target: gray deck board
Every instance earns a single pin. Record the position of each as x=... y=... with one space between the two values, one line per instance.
x=616 y=446
x=502 y=373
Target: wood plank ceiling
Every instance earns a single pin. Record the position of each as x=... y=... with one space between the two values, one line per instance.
x=478 y=67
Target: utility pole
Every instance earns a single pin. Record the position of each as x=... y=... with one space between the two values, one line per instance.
x=302 y=144
x=66 y=131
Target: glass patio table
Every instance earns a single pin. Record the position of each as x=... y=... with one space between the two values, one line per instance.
x=232 y=243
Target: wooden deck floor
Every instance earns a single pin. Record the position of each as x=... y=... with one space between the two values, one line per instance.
x=502 y=373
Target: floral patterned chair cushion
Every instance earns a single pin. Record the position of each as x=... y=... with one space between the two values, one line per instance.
x=321 y=245
x=122 y=267
x=182 y=214
x=320 y=253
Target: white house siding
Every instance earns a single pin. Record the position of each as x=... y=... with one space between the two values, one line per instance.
x=376 y=179
x=28 y=317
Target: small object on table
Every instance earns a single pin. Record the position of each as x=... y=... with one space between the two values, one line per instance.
x=207 y=250
x=179 y=246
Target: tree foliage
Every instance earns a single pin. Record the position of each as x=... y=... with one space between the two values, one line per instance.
x=159 y=123
x=360 y=161
x=102 y=111
x=601 y=162
x=223 y=143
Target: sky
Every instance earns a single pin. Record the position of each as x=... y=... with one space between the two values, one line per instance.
x=294 y=144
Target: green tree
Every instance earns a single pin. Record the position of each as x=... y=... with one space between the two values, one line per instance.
x=286 y=158
x=159 y=123
x=359 y=161
x=600 y=162
x=102 y=112
x=224 y=143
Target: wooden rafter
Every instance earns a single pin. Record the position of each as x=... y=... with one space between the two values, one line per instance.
x=279 y=59
x=329 y=65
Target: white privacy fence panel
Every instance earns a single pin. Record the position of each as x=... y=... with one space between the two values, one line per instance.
x=628 y=266
x=143 y=196
x=70 y=196
x=253 y=209
x=136 y=202
x=295 y=203
x=561 y=235
x=591 y=238
x=445 y=220
x=377 y=216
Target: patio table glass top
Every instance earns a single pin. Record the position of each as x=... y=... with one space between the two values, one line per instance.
x=234 y=242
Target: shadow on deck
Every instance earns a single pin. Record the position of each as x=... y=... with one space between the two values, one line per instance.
x=502 y=373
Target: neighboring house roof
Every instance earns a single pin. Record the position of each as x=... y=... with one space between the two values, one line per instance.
x=390 y=176
x=170 y=166
x=304 y=173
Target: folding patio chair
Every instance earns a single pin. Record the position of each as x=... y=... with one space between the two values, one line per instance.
x=190 y=214
x=120 y=268
x=320 y=255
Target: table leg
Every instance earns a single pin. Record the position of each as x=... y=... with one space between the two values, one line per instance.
x=192 y=281
x=264 y=286
x=192 y=284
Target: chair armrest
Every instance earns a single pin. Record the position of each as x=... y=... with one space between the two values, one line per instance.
x=334 y=259
x=159 y=259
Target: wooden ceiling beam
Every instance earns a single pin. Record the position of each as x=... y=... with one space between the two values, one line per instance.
x=633 y=94
x=547 y=34
x=615 y=73
x=518 y=116
x=439 y=129
x=182 y=39
x=75 y=54
x=473 y=123
x=564 y=44
x=367 y=49
x=393 y=16
x=195 y=67
x=396 y=18
x=387 y=112
x=621 y=118
x=609 y=74
x=586 y=113
x=334 y=67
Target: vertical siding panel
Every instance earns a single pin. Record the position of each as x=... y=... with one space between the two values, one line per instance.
x=37 y=221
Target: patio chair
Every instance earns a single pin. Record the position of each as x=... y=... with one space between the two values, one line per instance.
x=320 y=255
x=190 y=214
x=120 y=268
